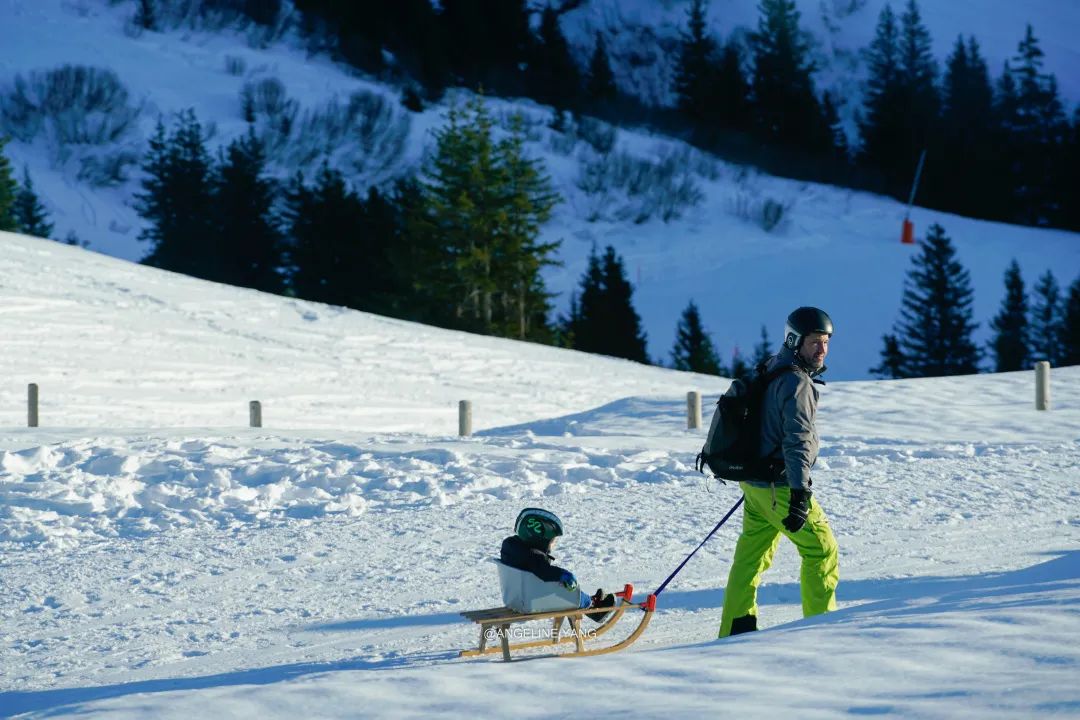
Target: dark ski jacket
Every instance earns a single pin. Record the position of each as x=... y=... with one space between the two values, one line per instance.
x=788 y=420
x=517 y=554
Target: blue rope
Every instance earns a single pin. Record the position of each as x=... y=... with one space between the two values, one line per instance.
x=672 y=575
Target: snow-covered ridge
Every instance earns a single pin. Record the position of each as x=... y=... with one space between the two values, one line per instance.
x=835 y=248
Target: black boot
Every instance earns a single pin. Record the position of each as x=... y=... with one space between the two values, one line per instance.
x=746 y=623
x=601 y=600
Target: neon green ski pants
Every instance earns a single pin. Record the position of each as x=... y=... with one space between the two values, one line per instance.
x=761 y=531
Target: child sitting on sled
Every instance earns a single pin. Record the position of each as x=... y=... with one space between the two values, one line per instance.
x=529 y=549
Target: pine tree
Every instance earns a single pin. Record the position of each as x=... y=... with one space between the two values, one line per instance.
x=1035 y=126
x=1070 y=327
x=626 y=334
x=968 y=129
x=901 y=107
x=600 y=87
x=1046 y=320
x=554 y=77
x=482 y=209
x=740 y=369
x=917 y=75
x=528 y=199
x=883 y=116
x=249 y=241
x=603 y=319
x=694 y=350
x=893 y=363
x=8 y=192
x=696 y=71
x=175 y=201
x=1010 y=345
x=30 y=215
x=783 y=93
x=732 y=95
x=145 y=14
x=325 y=254
x=936 y=326
x=763 y=350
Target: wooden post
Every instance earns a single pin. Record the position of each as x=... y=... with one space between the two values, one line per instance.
x=464 y=418
x=32 y=405
x=255 y=413
x=693 y=410
x=1042 y=385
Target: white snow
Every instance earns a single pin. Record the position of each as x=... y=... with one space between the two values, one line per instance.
x=837 y=249
x=160 y=559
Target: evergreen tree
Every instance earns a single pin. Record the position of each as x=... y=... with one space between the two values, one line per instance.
x=893 y=363
x=967 y=130
x=783 y=94
x=694 y=350
x=740 y=369
x=1070 y=327
x=1010 y=345
x=696 y=71
x=901 y=107
x=325 y=252
x=145 y=14
x=528 y=199
x=175 y=201
x=488 y=41
x=936 y=327
x=1035 y=126
x=836 y=127
x=883 y=114
x=1046 y=320
x=483 y=205
x=603 y=319
x=30 y=215
x=8 y=192
x=554 y=77
x=249 y=243
x=600 y=87
x=917 y=72
x=626 y=335
x=763 y=350
x=732 y=95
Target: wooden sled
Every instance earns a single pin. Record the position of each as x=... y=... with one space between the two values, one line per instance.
x=496 y=623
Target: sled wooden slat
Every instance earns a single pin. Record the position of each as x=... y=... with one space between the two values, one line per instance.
x=499 y=621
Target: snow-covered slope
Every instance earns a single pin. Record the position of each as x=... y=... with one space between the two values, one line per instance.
x=835 y=248
x=162 y=560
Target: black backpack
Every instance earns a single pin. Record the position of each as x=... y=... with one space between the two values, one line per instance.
x=732 y=447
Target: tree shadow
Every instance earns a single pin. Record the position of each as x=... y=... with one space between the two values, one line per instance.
x=14 y=703
x=895 y=597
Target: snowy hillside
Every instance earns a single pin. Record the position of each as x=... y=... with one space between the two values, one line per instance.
x=689 y=227
x=159 y=559
x=642 y=33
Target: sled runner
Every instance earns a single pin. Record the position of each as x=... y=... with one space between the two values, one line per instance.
x=522 y=592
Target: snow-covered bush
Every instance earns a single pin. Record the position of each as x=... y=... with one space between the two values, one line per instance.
x=767 y=213
x=72 y=105
x=622 y=186
x=107 y=168
x=365 y=134
x=235 y=65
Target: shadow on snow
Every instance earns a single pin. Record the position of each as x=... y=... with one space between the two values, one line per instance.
x=892 y=598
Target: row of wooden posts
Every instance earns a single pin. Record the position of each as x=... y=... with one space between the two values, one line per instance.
x=693 y=404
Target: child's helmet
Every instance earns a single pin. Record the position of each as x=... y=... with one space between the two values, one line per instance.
x=537 y=527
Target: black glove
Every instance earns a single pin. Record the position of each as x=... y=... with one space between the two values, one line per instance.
x=798 y=508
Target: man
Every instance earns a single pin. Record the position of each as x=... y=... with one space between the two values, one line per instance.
x=783 y=503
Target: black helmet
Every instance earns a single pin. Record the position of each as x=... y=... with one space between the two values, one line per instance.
x=803 y=322
x=537 y=527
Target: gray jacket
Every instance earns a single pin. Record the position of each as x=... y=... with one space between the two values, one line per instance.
x=788 y=430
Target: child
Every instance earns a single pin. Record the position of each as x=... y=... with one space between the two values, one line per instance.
x=529 y=549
